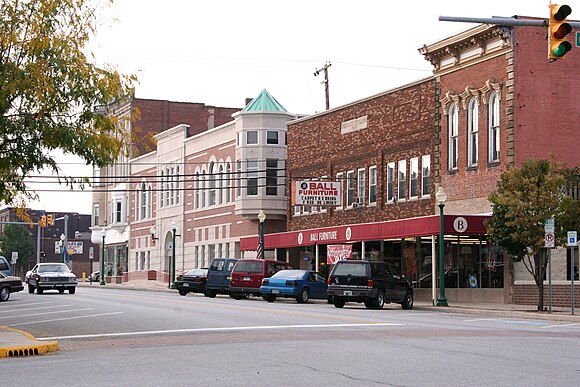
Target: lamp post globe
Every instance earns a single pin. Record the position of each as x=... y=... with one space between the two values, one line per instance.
x=441 y=197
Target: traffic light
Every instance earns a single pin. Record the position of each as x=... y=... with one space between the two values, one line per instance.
x=558 y=28
x=42 y=221
x=50 y=219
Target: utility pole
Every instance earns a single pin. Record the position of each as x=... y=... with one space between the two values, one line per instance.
x=325 y=81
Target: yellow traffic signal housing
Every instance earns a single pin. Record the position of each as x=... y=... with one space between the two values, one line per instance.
x=558 y=28
x=50 y=219
x=42 y=221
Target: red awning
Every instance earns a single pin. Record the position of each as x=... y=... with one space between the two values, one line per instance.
x=394 y=229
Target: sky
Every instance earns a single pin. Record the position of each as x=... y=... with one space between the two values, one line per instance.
x=221 y=52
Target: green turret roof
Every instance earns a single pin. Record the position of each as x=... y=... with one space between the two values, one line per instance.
x=264 y=102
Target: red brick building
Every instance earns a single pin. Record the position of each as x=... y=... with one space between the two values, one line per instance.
x=493 y=102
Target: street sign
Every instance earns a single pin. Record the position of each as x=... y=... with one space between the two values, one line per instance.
x=14 y=257
x=550 y=236
x=572 y=238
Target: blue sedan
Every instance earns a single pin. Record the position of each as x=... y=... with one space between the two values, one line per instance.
x=299 y=284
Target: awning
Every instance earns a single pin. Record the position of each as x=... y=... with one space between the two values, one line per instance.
x=394 y=229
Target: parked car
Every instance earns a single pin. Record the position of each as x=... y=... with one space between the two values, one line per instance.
x=299 y=284
x=218 y=276
x=47 y=276
x=9 y=284
x=191 y=282
x=247 y=276
x=5 y=266
x=370 y=282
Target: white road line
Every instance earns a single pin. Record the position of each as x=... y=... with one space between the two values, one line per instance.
x=39 y=314
x=484 y=319
x=561 y=325
x=40 y=307
x=223 y=329
x=64 y=319
x=36 y=303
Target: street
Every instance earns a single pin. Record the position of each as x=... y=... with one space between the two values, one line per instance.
x=125 y=337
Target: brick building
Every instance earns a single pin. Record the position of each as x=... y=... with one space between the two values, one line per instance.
x=492 y=103
x=209 y=187
x=139 y=120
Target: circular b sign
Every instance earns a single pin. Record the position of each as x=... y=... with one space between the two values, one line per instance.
x=460 y=224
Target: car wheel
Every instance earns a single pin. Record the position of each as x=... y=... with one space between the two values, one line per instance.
x=408 y=301
x=61 y=291
x=379 y=300
x=269 y=297
x=304 y=296
x=4 y=293
x=30 y=288
x=210 y=293
x=369 y=303
x=39 y=291
x=237 y=296
x=338 y=302
x=330 y=299
x=72 y=290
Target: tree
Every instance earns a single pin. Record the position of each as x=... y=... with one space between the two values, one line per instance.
x=17 y=238
x=51 y=95
x=526 y=197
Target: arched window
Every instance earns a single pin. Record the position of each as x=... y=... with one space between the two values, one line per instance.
x=453 y=140
x=150 y=203
x=493 y=130
x=197 y=189
x=143 y=201
x=212 y=185
x=228 y=181
x=221 y=185
x=472 y=132
x=203 y=181
x=137 y=205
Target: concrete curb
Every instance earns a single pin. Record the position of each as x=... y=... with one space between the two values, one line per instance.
x=505 y=313
x=17 y=343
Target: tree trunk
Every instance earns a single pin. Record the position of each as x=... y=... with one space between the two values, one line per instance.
x=540 y=263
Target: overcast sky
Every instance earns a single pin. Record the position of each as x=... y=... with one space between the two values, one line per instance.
x=220 y=52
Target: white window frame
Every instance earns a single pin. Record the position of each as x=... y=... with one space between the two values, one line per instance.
x=426 y=176
x=96 y=214
x=268 y=137
x=252 y=174
x=494 y=128
x=390 y=183
x=350 y=188
x=472 y=132
x=340 y=179
x=452 y=126
x=402 y=180
x=414 y=178
x=248 y=137
x=361 y=177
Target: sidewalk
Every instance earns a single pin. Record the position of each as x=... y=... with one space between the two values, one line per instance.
x=16 y=343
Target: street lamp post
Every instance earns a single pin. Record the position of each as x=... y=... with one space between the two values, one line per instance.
x=102 y=257
x=261 y=218
x=174 y=234
x=440 y=196
x=62 y=247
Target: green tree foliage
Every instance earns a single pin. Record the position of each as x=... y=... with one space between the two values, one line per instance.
x=51 y=95
x=526 y=197
x=17 y=238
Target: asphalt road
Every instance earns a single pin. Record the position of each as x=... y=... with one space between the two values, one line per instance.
x=124 y=337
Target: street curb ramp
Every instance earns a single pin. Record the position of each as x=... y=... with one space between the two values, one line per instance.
x=32 y=347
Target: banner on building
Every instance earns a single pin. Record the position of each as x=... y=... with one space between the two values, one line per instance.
x=337 y=253
x=72 y=247
x=316 y=193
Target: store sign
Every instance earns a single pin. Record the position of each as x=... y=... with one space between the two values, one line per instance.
x=317 y=193
x=72 y=247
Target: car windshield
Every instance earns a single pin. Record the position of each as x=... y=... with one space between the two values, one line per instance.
x=53 y=268
x=249 y=267
x=292 y=274
x=197 y=272
x=355 y=269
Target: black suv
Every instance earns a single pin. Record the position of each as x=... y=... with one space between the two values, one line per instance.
x=373 y=283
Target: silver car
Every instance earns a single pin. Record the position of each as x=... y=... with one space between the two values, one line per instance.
x=47 y=276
